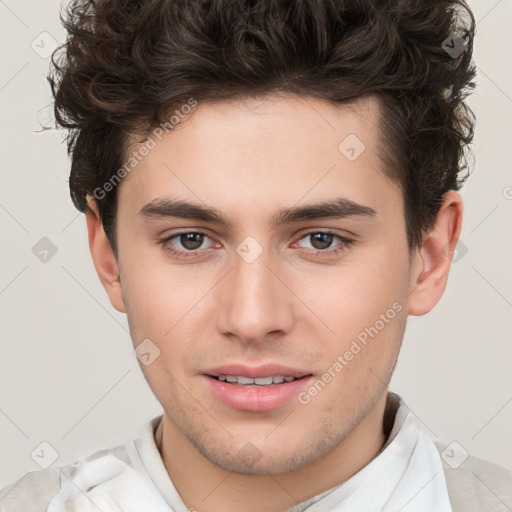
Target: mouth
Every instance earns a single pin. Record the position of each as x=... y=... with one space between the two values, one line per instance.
x=256 y=382
x=256 y=373
x=256 y=389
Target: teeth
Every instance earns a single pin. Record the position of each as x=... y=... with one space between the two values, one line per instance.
x=263 y=381
x=247 y=381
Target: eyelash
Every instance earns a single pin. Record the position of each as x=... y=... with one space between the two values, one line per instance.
x=181 y=254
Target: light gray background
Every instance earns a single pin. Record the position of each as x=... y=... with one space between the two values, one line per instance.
x=67 y=371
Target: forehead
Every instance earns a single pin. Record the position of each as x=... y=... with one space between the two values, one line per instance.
x=265 y=152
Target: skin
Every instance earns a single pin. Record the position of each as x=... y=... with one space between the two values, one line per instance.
x=249 y=159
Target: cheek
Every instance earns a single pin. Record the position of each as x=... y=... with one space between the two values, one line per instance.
x=167 y=304
x=153 y=287
x=363 y=305
x=151 y=304
x=353 y=297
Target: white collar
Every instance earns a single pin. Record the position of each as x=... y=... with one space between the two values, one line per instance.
x=405 y=476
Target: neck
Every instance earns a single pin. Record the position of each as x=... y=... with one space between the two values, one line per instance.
x=206 y=487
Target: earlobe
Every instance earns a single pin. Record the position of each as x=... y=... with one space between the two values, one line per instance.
x=103 y=256
x=432 y=260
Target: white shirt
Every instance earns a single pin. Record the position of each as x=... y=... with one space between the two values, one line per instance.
x=406 y=475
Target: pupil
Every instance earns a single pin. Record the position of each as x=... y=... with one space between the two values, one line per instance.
x=192 y=241
x=319 y=238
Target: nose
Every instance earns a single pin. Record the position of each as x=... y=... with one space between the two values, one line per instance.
x=254 y=301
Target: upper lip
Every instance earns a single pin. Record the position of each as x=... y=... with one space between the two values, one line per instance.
x=255 y=372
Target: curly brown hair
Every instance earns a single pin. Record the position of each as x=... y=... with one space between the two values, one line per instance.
x=127 y=64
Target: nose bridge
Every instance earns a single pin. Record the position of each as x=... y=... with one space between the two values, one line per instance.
x=253 y=302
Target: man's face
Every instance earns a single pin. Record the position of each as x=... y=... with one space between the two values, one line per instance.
x=256 y=298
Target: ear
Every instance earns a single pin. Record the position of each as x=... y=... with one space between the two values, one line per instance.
x=103 y=256
x=432 y=260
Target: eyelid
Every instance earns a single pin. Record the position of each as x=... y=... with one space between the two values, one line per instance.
x=328 y=230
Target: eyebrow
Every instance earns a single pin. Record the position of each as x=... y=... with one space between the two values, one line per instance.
x=336 y=208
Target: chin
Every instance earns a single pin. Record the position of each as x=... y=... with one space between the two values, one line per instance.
x=255 y=459
x=264 y=466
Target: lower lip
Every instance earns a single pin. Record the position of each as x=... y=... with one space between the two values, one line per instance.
x=256 y=399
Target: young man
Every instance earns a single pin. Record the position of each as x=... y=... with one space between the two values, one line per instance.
x=270 y=189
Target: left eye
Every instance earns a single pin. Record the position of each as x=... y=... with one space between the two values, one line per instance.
x=320 y=240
